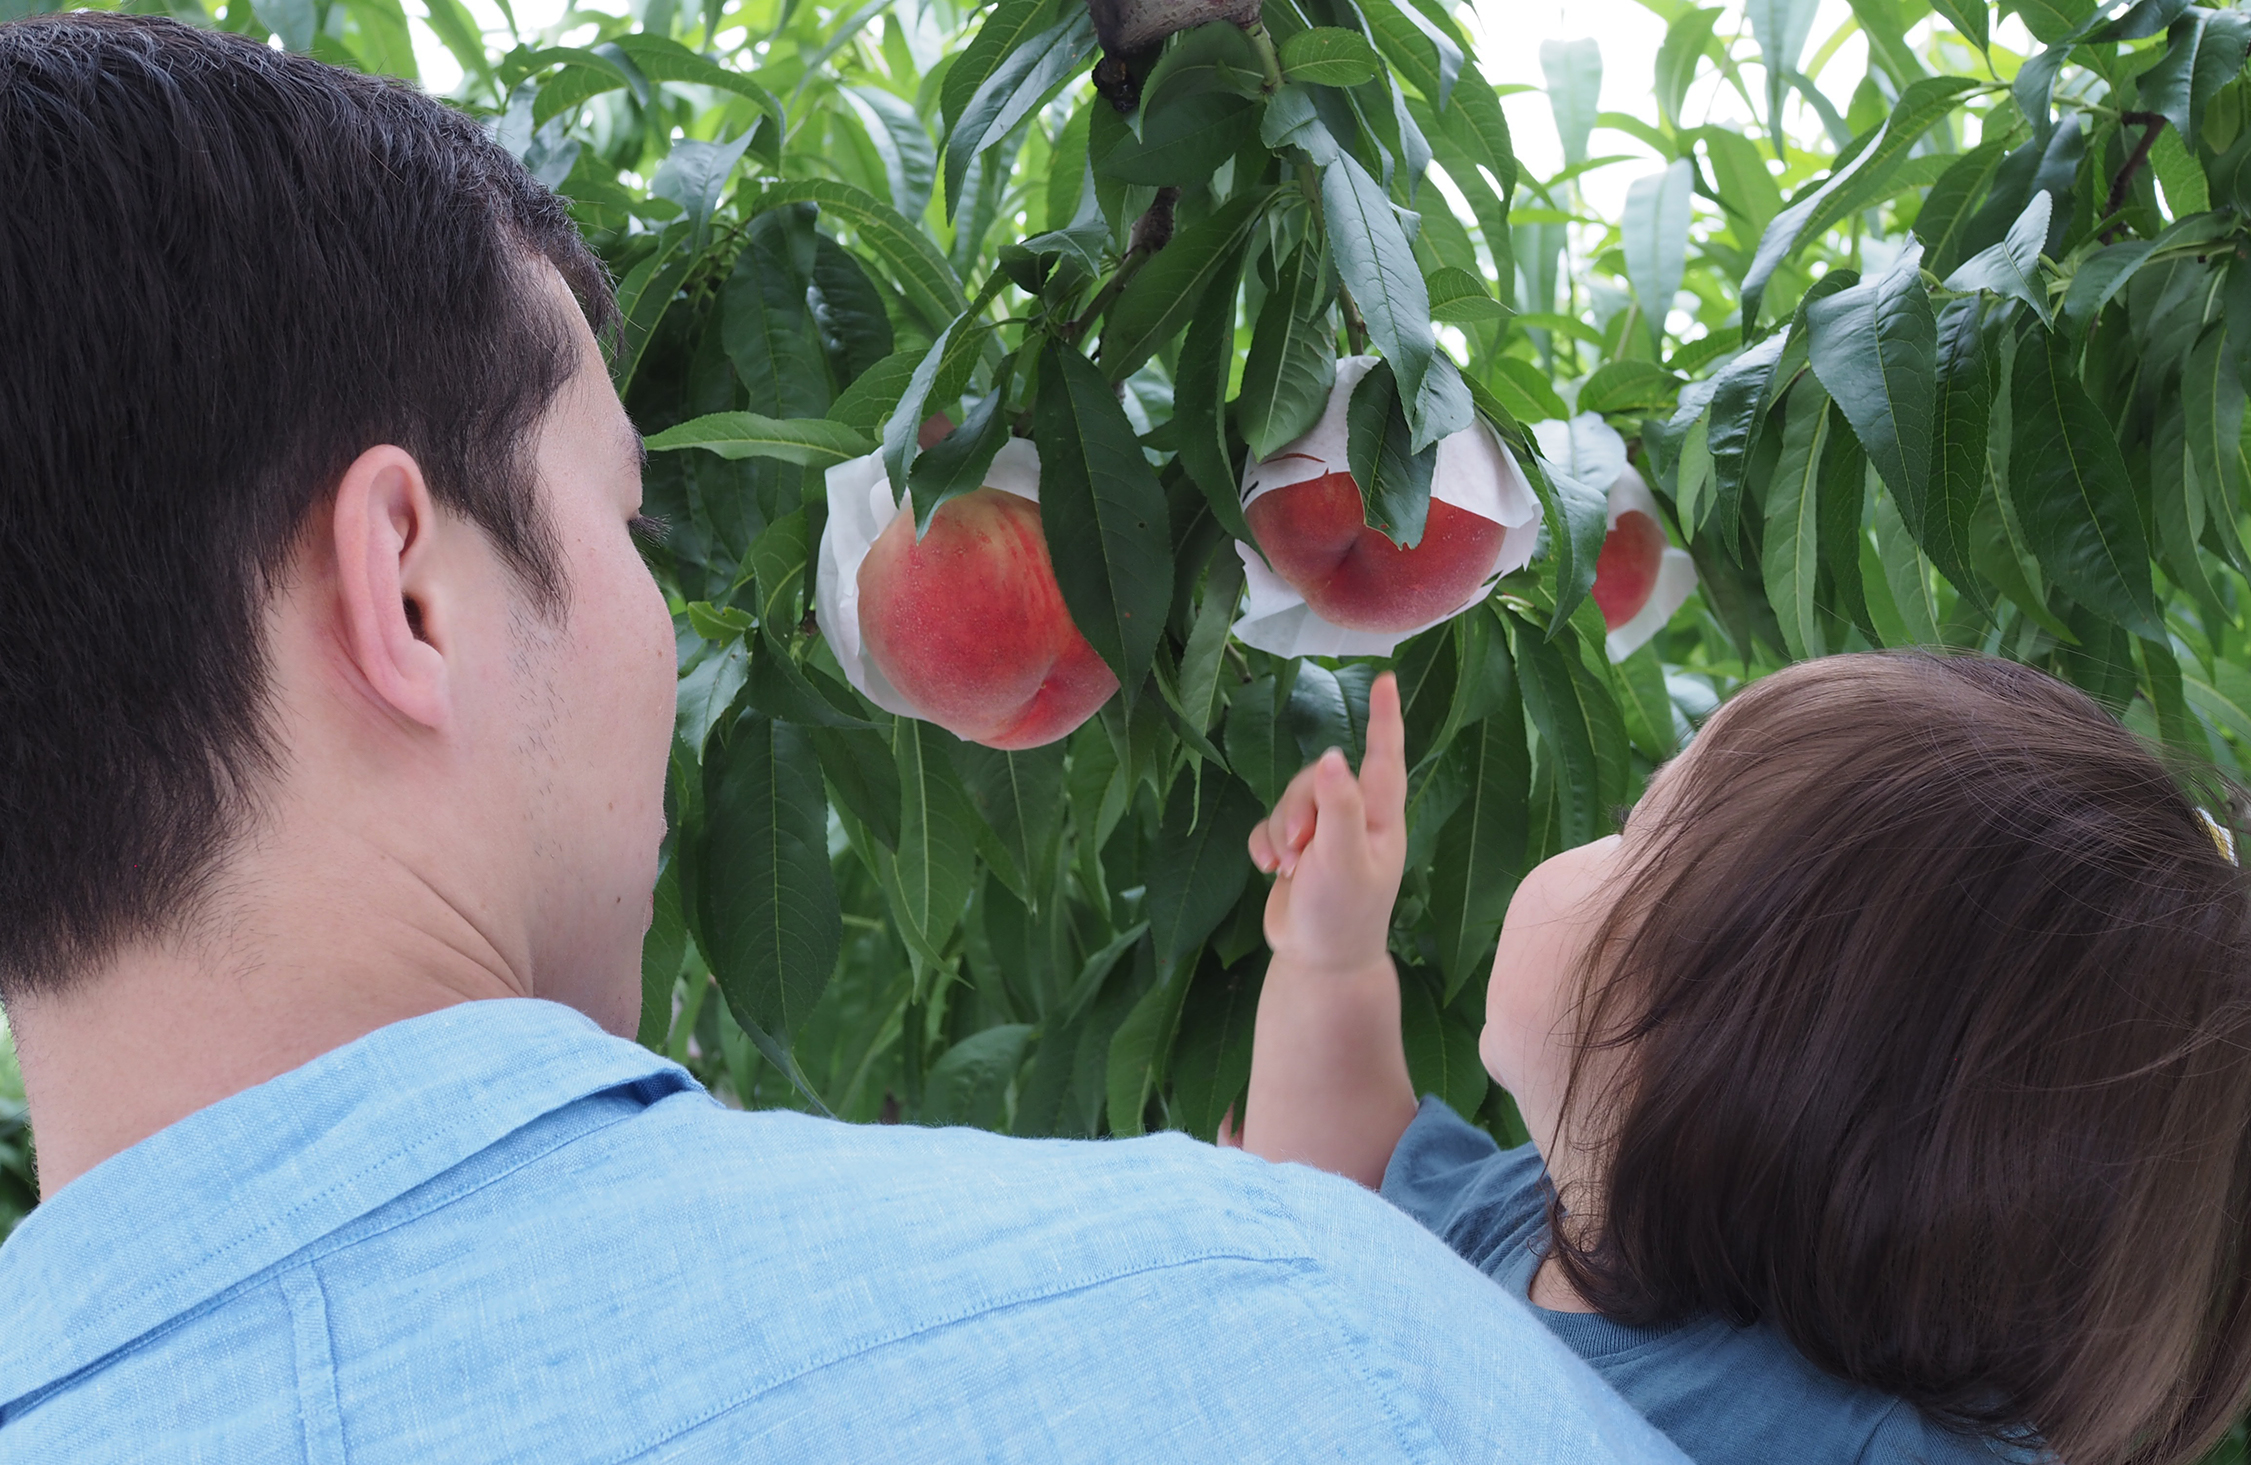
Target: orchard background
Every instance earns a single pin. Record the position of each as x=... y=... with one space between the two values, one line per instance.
x=1927 y=323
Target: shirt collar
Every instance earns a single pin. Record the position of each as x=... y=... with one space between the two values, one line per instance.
x=234 y=1188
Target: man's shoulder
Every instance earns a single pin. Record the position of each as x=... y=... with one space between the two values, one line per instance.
x=582 y=1257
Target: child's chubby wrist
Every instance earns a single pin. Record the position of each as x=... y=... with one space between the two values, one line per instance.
x=1338 y=976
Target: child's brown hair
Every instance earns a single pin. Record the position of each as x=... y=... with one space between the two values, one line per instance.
x=1926 y=1011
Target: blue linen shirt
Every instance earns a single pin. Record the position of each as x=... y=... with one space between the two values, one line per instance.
x=494 y=1233
x=1726 y=1395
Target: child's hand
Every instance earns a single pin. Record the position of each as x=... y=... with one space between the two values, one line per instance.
x=1338 y=844
x=1329 y=1083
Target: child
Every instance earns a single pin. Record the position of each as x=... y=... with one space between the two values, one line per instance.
x=1889 y=1076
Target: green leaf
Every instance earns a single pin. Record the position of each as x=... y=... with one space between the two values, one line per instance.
x=769 y=921
x=1441 y=1046
x=910 y=159
x=1958 y=440
x=1969 y=17
x=1874 y=347
x=969 y=1085
x=1791 y=558
x=1920 y=107
x=1780 y=27
x=662 y=950
x=937 y=838
x=1944 y=220
x=1394 y=479
x=1646 y=703
x=1522 y=391
x=1211 y=1064
x=1138 y=1053
x=2051 y=20
x=1009 y=25
x=814 y=442
x=1107 y=528
x=1457 y=295
x=1020 y=797
x=293 y=22
x=1160 y=297
x=644 y=296
x=2187 y=188
x=866 y=403
x=1630 y=386
x=956 y=464
x=1256 y=750
x=1738 y=401
x=1655 y=227
x=766 y=320
x=1687 y=39
x=2070 y=488
x=848 y=312
x=1574 y=75
x=865 y=775
x=902 y=430
x=914 y=263
x=2212 y=404
x=1201 y=864
x=1481 y=847
x=1746 y=189
x=1215 y=56
x=1377 y=266
x=1199 y=399
x=2204 y=51
x=1292 y=362
x=2100 y=276
x=2012 y=267
x=1329 y=709
x=1580 y=731
x=1023 y=81
x=1788 y=230
x=1202 y=659
x=1328 y=56
x=1183 y=144
x=1904 y=573
x=1429 y=57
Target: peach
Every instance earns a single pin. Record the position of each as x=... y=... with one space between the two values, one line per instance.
x=1316 y=537
x=1626 y=571
x=933 y=431
x=969 y=625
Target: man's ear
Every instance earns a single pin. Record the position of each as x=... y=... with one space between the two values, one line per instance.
x=384 y=527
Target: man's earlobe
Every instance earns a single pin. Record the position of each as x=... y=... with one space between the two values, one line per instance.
x=391 y=625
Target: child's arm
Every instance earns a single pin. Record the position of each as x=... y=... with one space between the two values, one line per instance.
x=1329 y=1083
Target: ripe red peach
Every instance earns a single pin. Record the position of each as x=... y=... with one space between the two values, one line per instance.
x=1626 y=571
x=969 y=625
x=1315 y=536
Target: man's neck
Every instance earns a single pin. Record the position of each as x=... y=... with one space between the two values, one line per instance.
x=159 y=1032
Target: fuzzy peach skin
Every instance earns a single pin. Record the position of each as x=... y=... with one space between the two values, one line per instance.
x=970 y=627
x=1626 y=571
x=1352 y=575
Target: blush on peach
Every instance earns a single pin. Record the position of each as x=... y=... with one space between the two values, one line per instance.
x=1626 y=571
x=1315 y=535
x=969 y=624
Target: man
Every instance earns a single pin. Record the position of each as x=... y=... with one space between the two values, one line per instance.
x=334 y=707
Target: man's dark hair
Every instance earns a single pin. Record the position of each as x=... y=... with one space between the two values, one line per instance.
x=1922 y=1030
x=225 y=272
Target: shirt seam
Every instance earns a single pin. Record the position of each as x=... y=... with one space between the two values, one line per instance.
x=433 y=1140
x=351 y=1233
x=1297 y=1264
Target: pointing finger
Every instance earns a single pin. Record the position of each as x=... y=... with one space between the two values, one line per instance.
x=1383 y=772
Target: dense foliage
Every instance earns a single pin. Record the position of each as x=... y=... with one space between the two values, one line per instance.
x=1952 y=352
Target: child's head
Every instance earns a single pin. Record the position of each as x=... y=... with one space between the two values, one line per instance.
x=1911 y=1012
